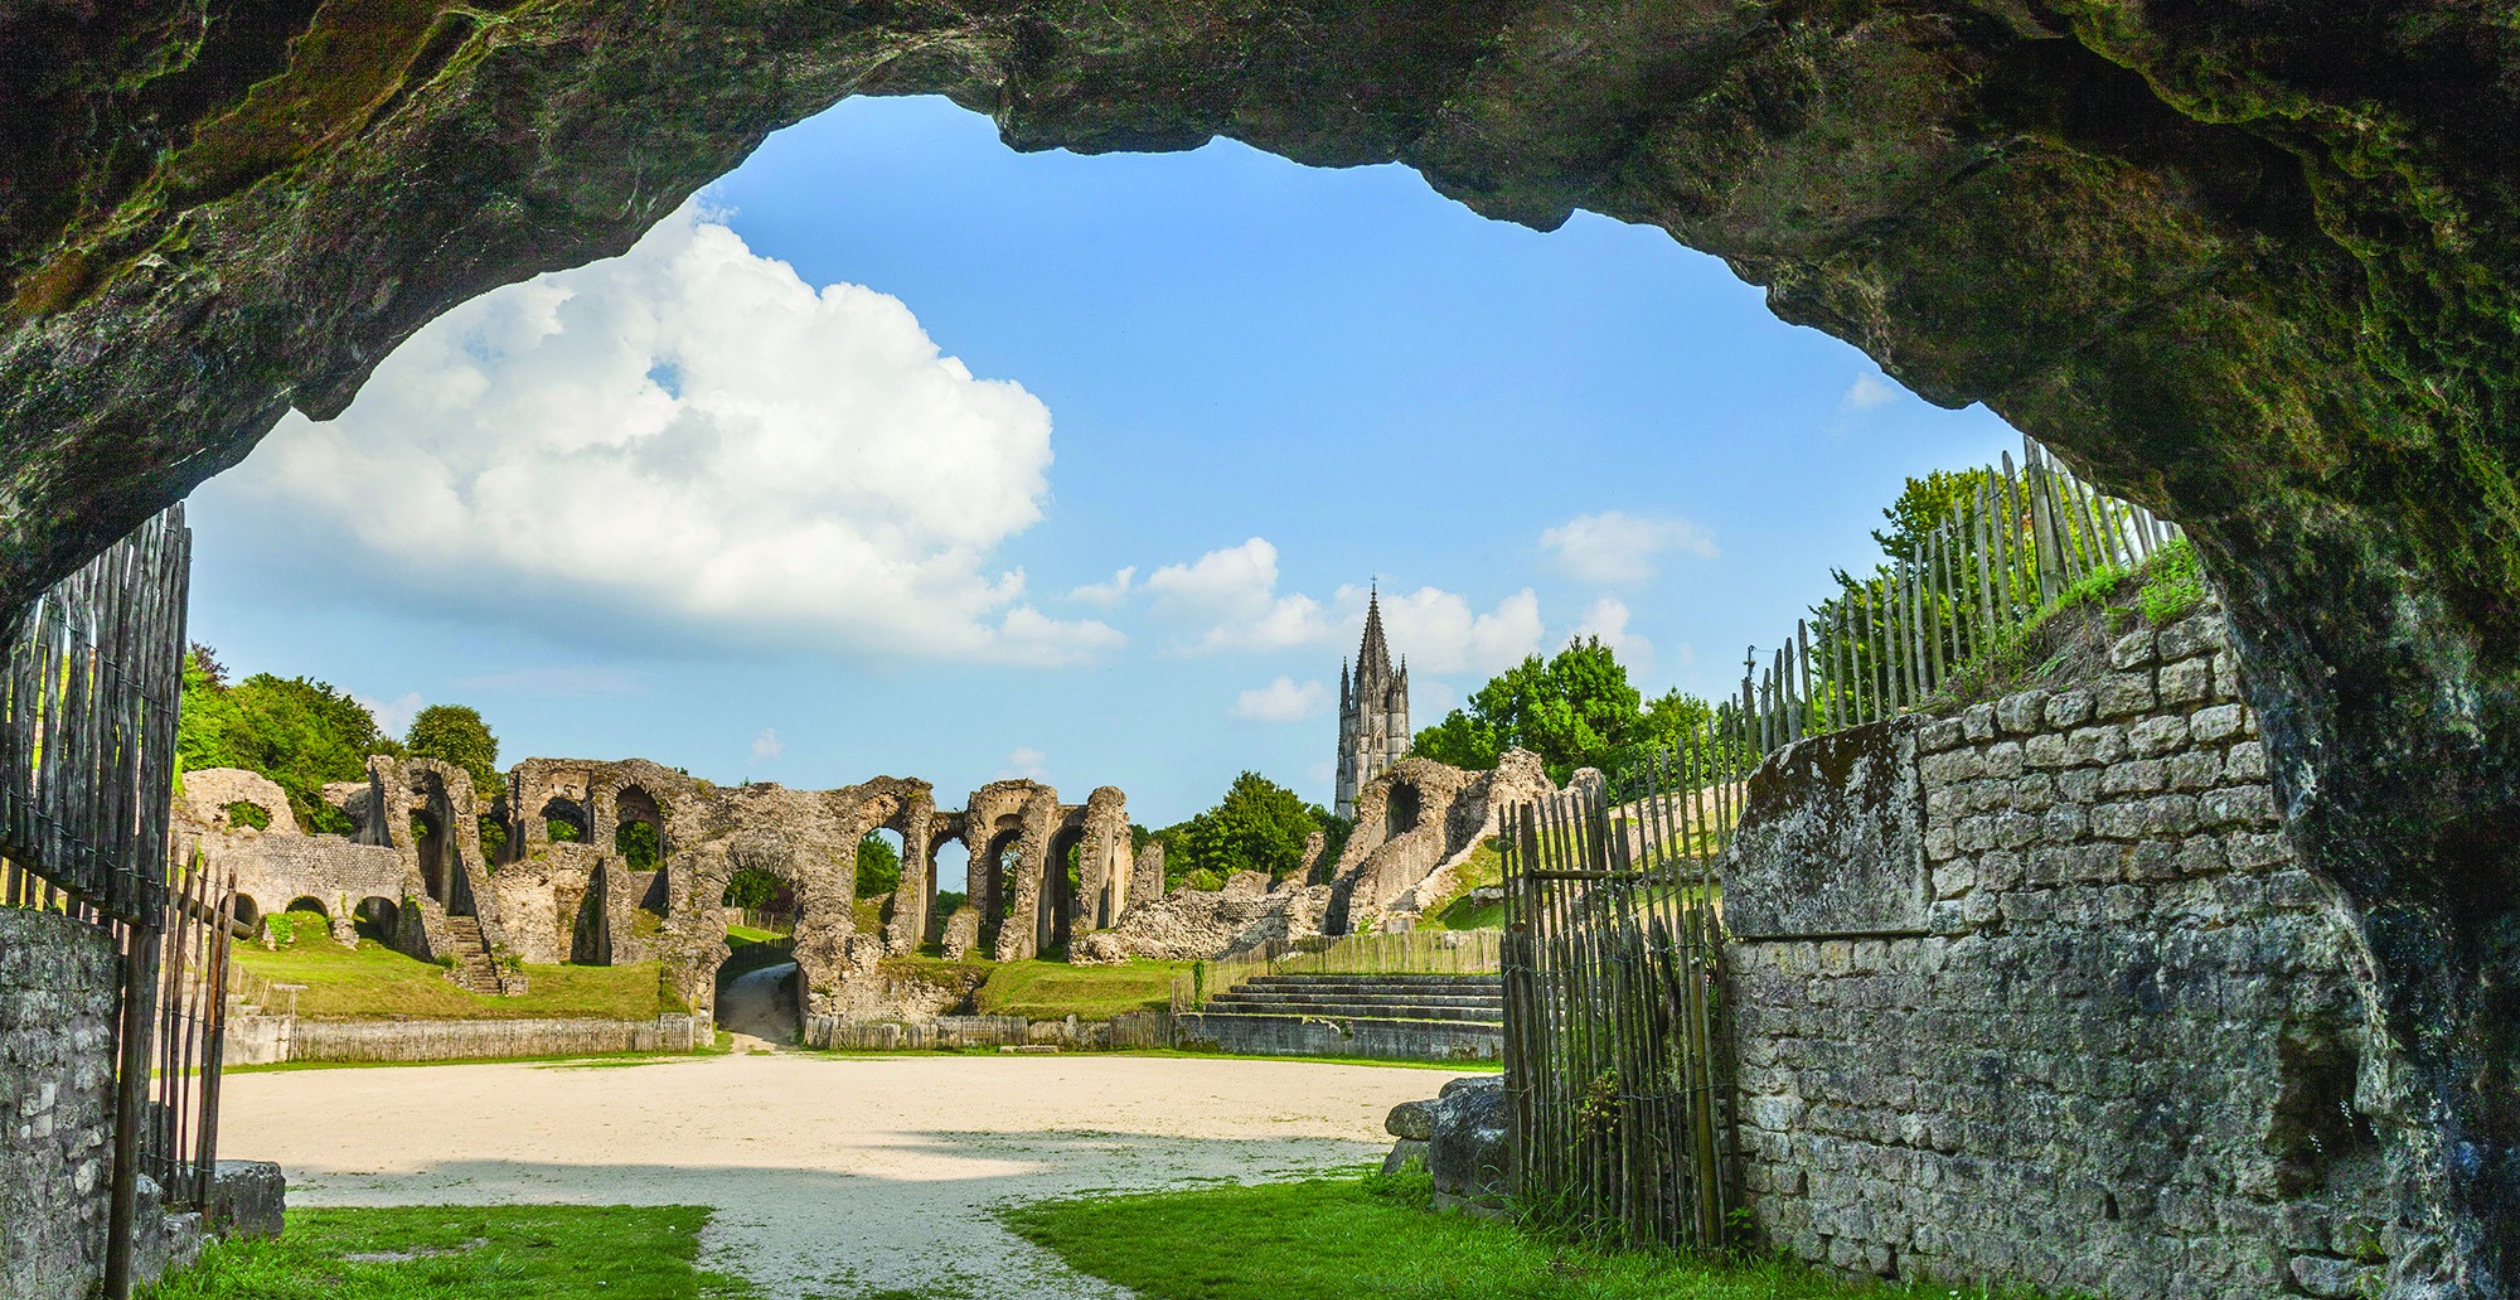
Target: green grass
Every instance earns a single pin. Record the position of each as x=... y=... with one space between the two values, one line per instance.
x=1455 y=911
x=370 y=980
x=1350 y=1237
x=1050 y=990
x=506 y=1252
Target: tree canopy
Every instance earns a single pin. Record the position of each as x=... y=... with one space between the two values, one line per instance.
x=300 y=733
x=878 y=866
x=1258 y=826
x=1576 y=709
x=455 y=733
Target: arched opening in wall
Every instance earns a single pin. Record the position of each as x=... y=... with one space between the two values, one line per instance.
x=760 y=987
x=879 y=866
x=763 y=903
x=428 y=836
x=638 y=829
x=376 y=919
x=949 y=889
x=1055 y=919
x=1401 y=810
x=993 y=876
x=564 y=820
x=309 y=921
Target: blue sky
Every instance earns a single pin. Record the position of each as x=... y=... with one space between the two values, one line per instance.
x=693 y=505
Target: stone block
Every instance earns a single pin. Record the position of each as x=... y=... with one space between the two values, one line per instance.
x=1469 y=1152
x=2124 y=695
x=248 y=1199
x=2003 y=760
x=2245 y=761
x=2136 y=649
x=2067 y=709
x=2212 y=726
x=2252 y=850
x=1978 y=722
x=2090 y=745
x=2226 y=675
x=1951 y=768
x=1414 y=1120
x=2170 y=814
x=2118 y=821
x=2021 y=714
x=2135 y=776
x=2047 y=750
x=1941 y=734
x=2080 y=785
x=2195 y=770
x=2065 y=823
x=2189 y=681
x=2156 y=736
x=2197 y=634
x=2245 y=806
x=1832 y=839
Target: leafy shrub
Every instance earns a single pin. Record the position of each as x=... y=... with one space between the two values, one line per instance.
x=636 y=843
x=2174 y=583
x=1204 y=879
x=878 y=866
x=241 y=813
x=562 y=830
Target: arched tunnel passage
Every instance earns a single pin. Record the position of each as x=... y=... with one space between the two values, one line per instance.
x=2222 y=311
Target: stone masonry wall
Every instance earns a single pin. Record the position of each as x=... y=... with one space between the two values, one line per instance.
x=2120 y=1055
x=56 y=1097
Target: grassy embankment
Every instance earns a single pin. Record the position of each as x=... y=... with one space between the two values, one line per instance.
x=1455 y=911
x=1049 y=990
x=1350 y=1237
x=506 y=1252
x=370 y=980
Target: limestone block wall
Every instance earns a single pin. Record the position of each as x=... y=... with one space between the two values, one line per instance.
x=56 y=1098
x=2121 y=1049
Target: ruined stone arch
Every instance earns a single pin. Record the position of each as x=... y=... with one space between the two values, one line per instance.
x=2251 y=264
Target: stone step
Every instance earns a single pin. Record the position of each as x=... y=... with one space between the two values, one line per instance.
x=1491 y=1007
x=1370 y=993
x=1358 y=1011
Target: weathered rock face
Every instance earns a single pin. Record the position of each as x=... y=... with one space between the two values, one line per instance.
x=2252 y=265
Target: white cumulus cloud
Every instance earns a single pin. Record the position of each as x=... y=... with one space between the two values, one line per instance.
x=1283 y=701
x=1608 y=620
x=1437 y=631
x=1107 y=595
x=689 y=439
x=1613 y=547
x=1228 y=600
x=766 y=745
x=393 y=717
x=1869 y=391
x=1024 y=764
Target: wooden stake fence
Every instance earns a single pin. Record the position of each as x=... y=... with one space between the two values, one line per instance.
x=1612 y=953
x=2020 y=539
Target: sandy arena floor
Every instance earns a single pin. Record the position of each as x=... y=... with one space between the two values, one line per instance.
x=831 y=1176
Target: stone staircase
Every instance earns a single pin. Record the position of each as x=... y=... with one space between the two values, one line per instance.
x=1420 y=1017
x=473 y=970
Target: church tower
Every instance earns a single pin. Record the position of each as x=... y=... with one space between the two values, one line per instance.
x=1373 y=712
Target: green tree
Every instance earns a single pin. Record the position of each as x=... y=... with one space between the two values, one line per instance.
x=878 y=866
x=455 y=733
x=1924 y=505
x=1574 y=710
x=1258 y=826
x=302 y=734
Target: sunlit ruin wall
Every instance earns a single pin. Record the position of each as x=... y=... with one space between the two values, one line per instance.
x=2037 y=994
x=558 y=882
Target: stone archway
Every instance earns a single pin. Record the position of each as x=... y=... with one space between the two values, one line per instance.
x=2252 y=265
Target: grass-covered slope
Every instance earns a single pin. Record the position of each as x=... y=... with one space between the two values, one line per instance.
x=370 y=980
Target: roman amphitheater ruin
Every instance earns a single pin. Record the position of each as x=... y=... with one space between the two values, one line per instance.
x=564 y=884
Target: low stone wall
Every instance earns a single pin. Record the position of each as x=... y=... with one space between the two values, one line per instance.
x=1135 y=1030
x=1385 y=1040
x=2037 y=994
x=57 y=1003
x=455 y=1040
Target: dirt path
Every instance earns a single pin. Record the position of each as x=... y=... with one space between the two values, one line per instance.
x=832 y=1177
